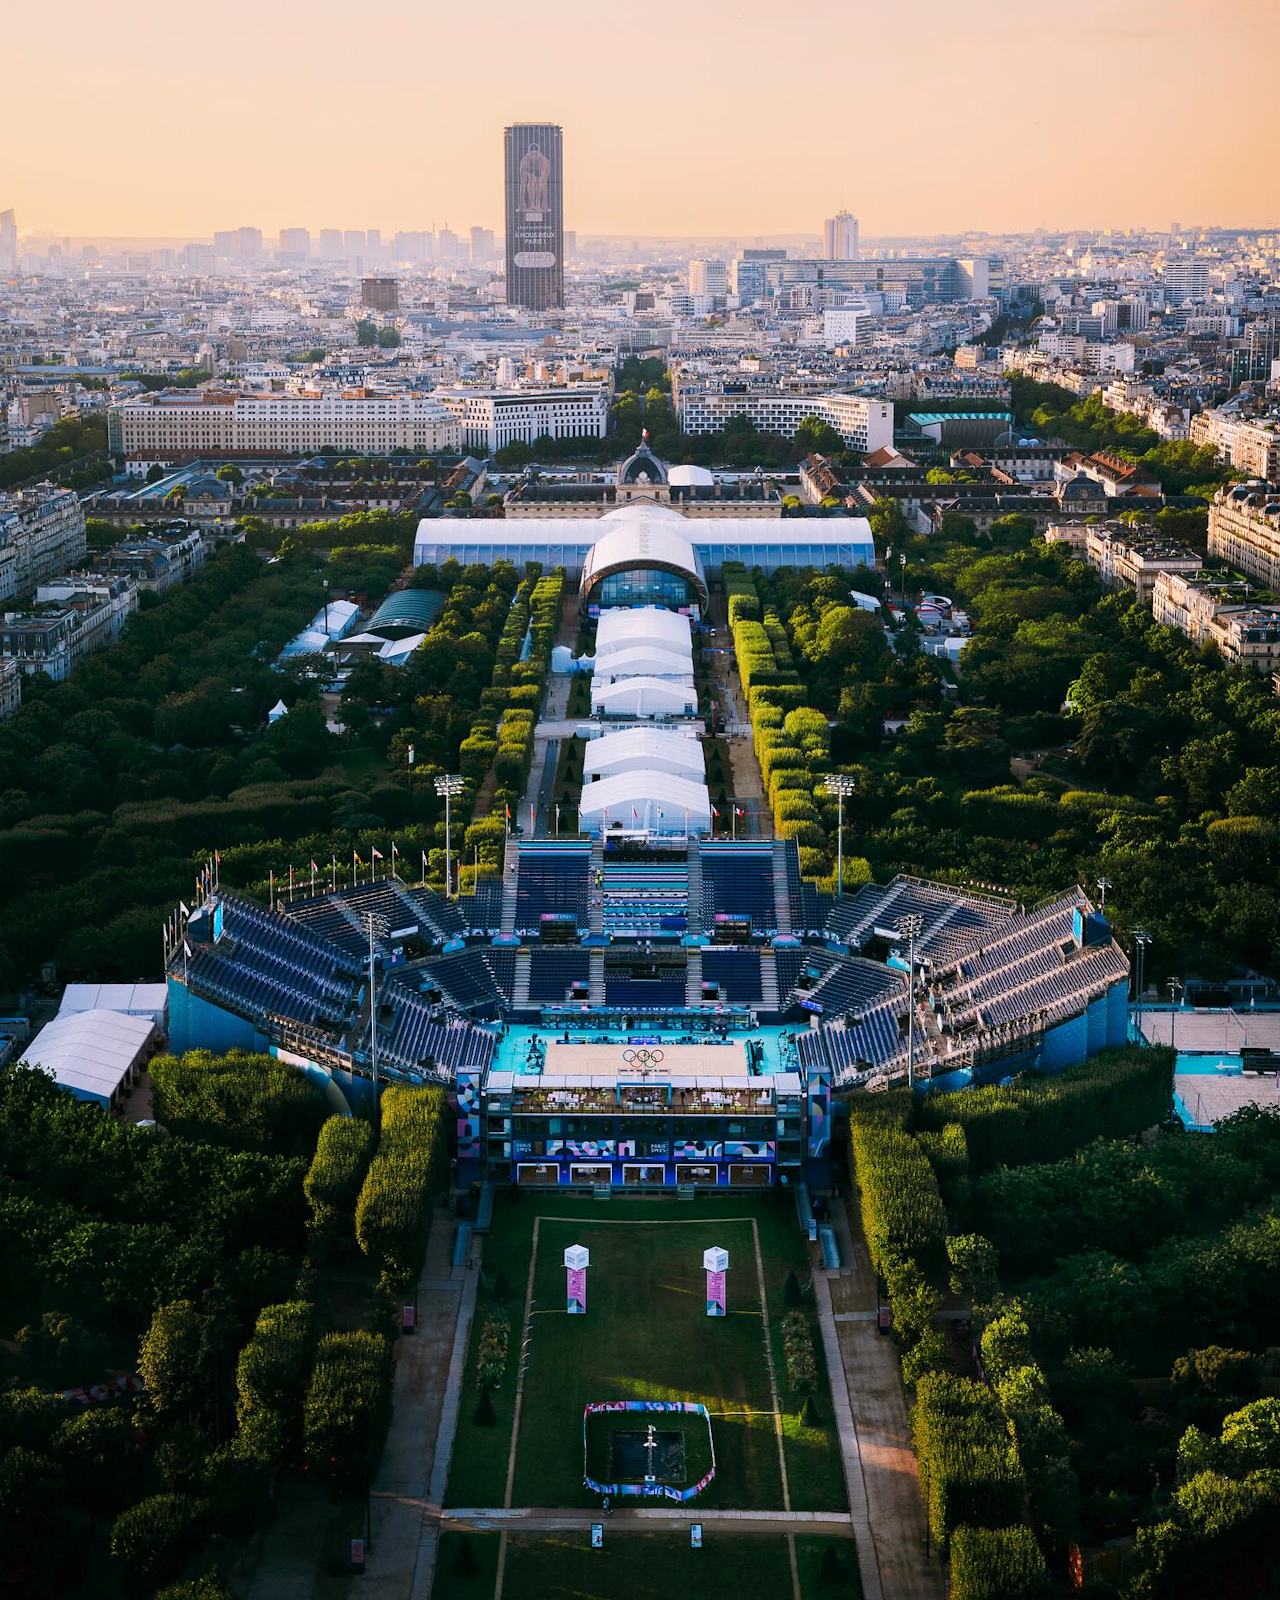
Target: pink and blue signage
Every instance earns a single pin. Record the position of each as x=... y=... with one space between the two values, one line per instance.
x=716 y=1261
x=577 y=1258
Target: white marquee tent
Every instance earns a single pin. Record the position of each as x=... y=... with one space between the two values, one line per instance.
x=660 y=803
x=639 y=660
x=92 y=1054
x=643 y=750
x=129 y=999
x=622 y=627
x=644 y=697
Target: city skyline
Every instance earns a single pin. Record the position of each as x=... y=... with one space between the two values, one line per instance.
x=285 y=157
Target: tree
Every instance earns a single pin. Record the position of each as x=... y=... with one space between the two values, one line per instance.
x=515 y=454
x=228 y=472
x=170 y=1361
x=388 y=338
x=97 y=1450
x=155 y=1539
x=815 y=436
x=366 y=332
x=155 y=472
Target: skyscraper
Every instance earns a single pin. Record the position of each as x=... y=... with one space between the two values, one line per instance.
x=840 y=237
x=8 y=240
x=535 y=215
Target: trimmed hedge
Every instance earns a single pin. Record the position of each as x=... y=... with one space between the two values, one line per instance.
x=393 y=1213
x=332 y=1185
x=969 y=1471
x=797 y=1346
x=902 y=1212
x=271 y=1380
x=347 y=1411
x=1116 y=1093
x=997 y=1564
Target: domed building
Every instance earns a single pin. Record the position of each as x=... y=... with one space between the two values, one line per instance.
x=643 y=557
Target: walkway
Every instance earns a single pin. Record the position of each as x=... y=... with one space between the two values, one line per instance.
x=884 y=1491
x=293 y=1554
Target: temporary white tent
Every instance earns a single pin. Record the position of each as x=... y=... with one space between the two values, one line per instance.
x=129 y=999
x=657 y=802
x=644 y=697
x=640 y=660
x=92 y=1054
x=621 y=628
x=643 y=750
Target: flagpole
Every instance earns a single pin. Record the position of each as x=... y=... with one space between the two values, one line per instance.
x=271 y=877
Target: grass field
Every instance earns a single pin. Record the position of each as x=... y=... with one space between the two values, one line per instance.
x=644 y=1566
x=645 y=1336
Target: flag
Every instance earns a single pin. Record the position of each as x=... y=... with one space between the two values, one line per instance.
x=714 y=812
x=314 y=868
x=424 y=863
x=507 y=813
x=358 y=861
x=182 y=906
x=635 y=815
x=740 y=811
x=376 y=853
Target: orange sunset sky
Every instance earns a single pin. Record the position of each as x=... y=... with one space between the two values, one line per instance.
x=149 y=118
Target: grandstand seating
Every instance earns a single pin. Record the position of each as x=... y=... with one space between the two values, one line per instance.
x=551 y=971
x=737 y=880
x=853 y=986
x=474 y=978
x=419 y=1031
x=623 y=990
x=483 y=909
x=645 y=899
x=551 y=881
x=736 y=971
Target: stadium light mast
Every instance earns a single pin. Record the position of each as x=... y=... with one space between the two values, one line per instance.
x=374 y=926
x=1103 y=885
x=448 y=787
x=841 y=785
x=1175 y=1000
x=912 y=925
x=1141 y=939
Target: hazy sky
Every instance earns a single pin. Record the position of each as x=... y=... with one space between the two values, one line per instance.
x=146 y=117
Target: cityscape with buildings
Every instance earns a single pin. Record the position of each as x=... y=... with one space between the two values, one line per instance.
x=640 y=834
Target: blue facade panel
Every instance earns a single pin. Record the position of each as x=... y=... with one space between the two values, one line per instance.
x=196 y=1024
x=1097 y=1021
x=1118 y=1014
x=1066 y=1044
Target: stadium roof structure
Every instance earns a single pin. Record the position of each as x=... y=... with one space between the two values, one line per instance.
x=643 y=750
x=658 y=802
x=644 y=696
x=91 y=1054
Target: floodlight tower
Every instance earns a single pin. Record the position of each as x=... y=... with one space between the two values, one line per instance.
x=1141 y=939
x=448 y=787
x=912 y=925
x=1103 y=885
x=840 y=784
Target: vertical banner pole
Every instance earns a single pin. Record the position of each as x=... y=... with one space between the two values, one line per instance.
x=577 y=1258
x=716 y=1261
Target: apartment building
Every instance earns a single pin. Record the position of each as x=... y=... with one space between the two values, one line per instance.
x=1214 y=608
x=41 y=533
x=1125 y=560
x=863 y=424
x=158 y=563
x=10 y=687
x=1250 y=445
x=78 y=614
x=487 y=419
x=175 y=425
x=1244 y=530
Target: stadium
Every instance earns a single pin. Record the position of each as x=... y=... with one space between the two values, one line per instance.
x=643 y=1005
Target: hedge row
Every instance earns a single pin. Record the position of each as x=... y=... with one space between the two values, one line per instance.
x=271 y=1380
x=997 y=1564
x=492 y=1349
x=1114 y=1094
x=902 y=1212
x=347 y=1410
x=969 y=1470
x=332 y=1185
x=393 y=1213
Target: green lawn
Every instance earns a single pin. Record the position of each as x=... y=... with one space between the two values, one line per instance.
x=646 y=1566
x=645 y=1336
x=810 y=1549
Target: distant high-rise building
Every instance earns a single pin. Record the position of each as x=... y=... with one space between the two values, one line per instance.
x=708 y=275
x=749 y=278
x=8 y=240
x=250 y=242
x=353 y=242
x=483 y=244
x=331 y=244
x=447 y=244
x=840 y=237
x=380 y=294
x=571 y=242
x=535 y=215
x=294 y=245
